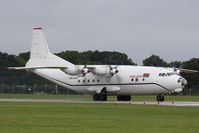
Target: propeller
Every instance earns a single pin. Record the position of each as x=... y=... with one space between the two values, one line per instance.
x=173 y=65
x=85 y=70
x=113 y=70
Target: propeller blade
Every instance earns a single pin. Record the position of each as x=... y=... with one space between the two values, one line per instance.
x=181 y=66
x=85 y=62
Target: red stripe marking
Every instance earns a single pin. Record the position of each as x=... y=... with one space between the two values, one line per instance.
x=37 y=28
x=146 y=74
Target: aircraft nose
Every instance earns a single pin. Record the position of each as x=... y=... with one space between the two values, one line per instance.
x=182 y=81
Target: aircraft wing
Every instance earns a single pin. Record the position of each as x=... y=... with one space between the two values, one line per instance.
x=36 y=67
x=51 y=67
x=188 y=71
x=89 y=66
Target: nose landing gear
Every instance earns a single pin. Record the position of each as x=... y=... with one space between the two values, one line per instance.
x=160 y=98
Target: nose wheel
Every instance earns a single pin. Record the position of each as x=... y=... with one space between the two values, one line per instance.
x=160 y=98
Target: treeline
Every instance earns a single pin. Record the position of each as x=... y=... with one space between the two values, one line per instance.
x=92 y=57
x=22 y=77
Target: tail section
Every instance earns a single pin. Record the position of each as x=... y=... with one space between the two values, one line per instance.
x=40 y=54
x=39 y=47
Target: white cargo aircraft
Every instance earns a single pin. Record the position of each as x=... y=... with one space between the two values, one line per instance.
x=102 y=80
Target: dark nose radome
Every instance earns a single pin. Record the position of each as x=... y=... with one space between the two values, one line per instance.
x=182 y=81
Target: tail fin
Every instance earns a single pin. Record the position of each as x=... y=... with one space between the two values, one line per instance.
x=40 y=55
x=39 y=47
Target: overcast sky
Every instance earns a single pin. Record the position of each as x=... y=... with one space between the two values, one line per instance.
x=139 y=28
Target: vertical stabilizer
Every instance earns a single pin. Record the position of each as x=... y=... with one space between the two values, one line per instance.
x=40 y=55
x=39 y=47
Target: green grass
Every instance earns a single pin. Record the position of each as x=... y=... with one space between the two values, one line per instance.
x=134 y=98
x=44 y=96
x=96 y=118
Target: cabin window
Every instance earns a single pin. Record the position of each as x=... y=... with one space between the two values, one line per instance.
x=136 y=80
x=93 y=80
x=88 y=80
x=98 y=80
x=132 y=80
x=83 y=80
x=160 y=74
x=78 y=81
x=143 y=79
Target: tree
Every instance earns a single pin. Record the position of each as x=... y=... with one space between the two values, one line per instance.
x=154 y=60
x=96 y=57
x=192 y=78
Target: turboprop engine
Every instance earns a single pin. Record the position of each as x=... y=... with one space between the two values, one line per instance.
x=102 y=70
x=72 y=70
x=75 y=70
x=105 y=70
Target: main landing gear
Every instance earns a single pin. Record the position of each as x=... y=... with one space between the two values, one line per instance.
x=160 y=98
x=103 y=97
x=123 y=98
x=99 y=97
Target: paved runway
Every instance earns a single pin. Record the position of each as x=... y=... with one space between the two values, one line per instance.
x=176 y=103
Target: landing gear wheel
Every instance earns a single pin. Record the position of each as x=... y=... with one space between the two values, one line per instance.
x=160 y=98
x=102 y=97
x=123 y=98
x=96 y=97
x=99 y=97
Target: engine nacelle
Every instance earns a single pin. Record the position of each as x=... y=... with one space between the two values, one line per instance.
x=101 y=71
x=72 y=70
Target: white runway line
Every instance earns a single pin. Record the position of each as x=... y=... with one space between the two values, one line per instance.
x=176 y=103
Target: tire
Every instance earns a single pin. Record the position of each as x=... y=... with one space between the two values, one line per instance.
x=160 y=98
x=99 y=97
x=102 y=97
x=96 y=97
x=123 y=98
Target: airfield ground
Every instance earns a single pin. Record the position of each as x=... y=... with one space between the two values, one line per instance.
x=88 y=97
x=47 y=117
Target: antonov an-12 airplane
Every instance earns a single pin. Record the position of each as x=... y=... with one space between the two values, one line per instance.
x=102 y=80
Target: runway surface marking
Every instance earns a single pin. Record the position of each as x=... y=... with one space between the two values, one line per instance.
x=175 y=103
